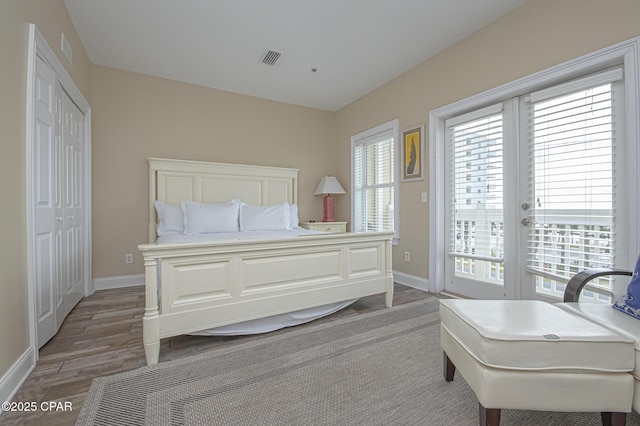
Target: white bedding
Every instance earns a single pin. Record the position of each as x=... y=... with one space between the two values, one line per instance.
x=276 y=322
x=262 y=325
x=234 y=236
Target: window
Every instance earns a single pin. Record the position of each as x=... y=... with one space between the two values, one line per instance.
x=374 y=179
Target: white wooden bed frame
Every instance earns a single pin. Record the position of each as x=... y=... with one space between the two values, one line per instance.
x=196 y=286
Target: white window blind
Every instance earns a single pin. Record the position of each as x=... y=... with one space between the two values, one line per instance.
x=374 y=180
x=476 y=175
x=572 y=160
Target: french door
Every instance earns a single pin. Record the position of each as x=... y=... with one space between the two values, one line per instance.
x=481 y=157
x=531 y=191
x=575 y=179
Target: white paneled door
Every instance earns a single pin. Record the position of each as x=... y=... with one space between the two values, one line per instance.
x=48 y=231
x=70 y=173
x=58 y=203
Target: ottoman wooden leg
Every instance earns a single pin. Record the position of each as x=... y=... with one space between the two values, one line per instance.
x=489 y=416
x=613 y=419
x=449 y=368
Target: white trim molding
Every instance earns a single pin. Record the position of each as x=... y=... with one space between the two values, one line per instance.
x=17 y=374
x=411 y=281
x=122 y=281
x=627 y=54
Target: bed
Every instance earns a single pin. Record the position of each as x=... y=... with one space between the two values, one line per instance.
x=198 y=285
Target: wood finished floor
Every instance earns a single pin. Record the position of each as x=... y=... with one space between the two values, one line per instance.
x=103 y=336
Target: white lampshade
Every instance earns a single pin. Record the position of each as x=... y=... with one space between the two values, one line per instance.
x=329 y=185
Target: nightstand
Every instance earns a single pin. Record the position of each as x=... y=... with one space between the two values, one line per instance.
x=333 y=227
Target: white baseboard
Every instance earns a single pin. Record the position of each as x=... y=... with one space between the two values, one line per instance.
x=16 y=375
x=118 y=282
x=411 y=281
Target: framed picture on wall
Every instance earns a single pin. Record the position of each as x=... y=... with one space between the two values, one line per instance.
x=413 y=154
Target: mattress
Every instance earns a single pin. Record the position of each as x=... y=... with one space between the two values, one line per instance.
x=235 y=236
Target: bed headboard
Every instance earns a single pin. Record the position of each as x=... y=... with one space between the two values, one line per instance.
x=173 y=181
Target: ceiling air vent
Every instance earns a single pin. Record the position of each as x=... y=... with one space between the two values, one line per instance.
x=271 y=57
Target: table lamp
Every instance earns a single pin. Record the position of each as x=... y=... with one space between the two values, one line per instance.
x=329 y=185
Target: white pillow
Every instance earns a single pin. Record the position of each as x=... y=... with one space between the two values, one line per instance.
x=209 y=218
x=170 y=217
x=265 y=218
x=293 y=212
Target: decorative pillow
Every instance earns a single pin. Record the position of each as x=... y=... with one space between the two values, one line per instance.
x=630 y=302
x=293 y=213
x=170 y=217
x=209 y=218
x=265 y=218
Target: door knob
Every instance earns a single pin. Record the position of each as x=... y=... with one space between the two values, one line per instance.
x=526 y=221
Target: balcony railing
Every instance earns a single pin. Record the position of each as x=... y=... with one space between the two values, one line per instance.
x=557 y=250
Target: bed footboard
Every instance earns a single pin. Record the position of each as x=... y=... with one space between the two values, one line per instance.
x=193 y=287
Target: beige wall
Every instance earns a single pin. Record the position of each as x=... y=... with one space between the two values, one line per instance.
x=538 y=35
x=137 y=116
x=52 y=18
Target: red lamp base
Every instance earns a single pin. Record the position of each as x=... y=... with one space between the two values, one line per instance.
x=328 y=209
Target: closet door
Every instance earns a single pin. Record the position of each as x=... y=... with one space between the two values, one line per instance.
x=48 y=224
x=70 y=175
x=60 y=253
x=58 y=196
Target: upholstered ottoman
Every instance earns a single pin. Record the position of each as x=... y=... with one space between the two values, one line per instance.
x=532 y=355
x=620 y=323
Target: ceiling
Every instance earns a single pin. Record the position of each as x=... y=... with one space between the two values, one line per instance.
x=354 y=46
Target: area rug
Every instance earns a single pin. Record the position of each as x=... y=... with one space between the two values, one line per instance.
x=380 y=368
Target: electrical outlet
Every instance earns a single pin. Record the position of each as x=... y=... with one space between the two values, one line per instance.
x=407 y=256
x=128 y=258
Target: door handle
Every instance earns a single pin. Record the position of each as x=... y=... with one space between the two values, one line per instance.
x=526 y=221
